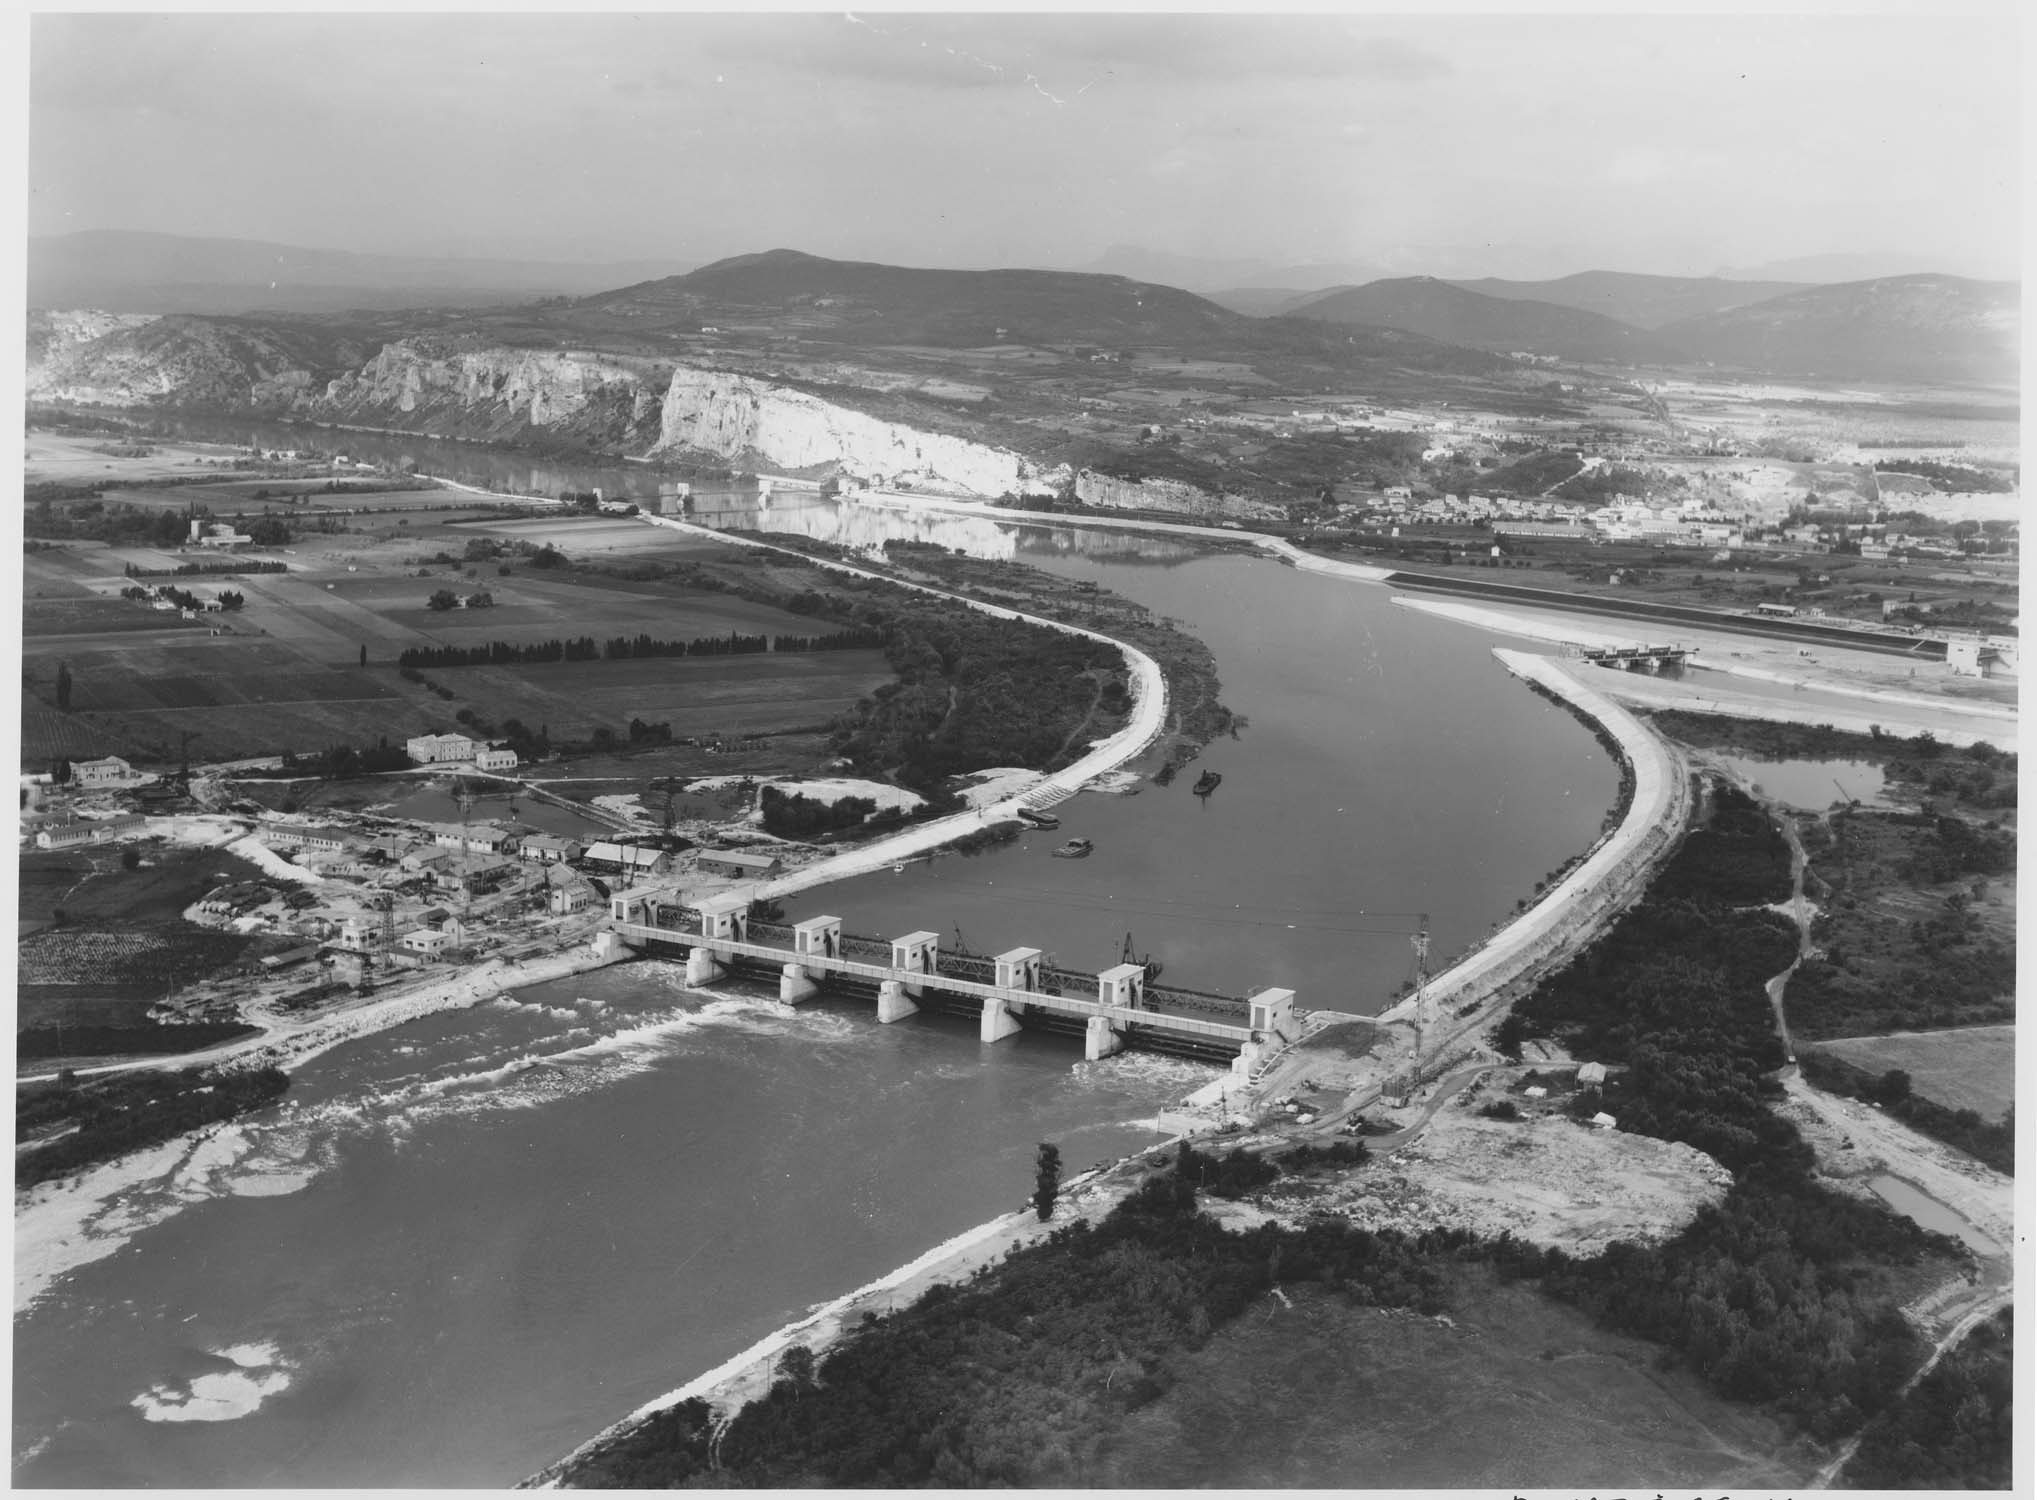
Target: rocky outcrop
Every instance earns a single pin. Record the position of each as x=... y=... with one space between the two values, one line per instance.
x=491 y=391
x=1109 y=492
x=748 y=421
x=217 y=363
x=53 y=332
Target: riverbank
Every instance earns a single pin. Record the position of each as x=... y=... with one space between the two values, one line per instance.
x=1148 y=687
x=1571 y=913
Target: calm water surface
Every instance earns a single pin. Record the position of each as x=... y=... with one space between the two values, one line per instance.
x=446 y=1266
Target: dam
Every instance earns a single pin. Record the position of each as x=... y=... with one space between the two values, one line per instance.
x=1015 y=990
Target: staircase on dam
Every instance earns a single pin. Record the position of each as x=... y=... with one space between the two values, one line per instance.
x=1116 y=1009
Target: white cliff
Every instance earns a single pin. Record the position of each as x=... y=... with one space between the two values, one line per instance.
x=736 y=417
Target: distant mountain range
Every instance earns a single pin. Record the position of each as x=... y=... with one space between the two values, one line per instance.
x=1893 y=328
x=1927 y=327
x=1442 y=310
x=1643 y=301
x=124 y=271
x=1922 y=327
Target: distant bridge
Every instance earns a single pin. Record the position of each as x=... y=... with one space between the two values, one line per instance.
x=1012 y=991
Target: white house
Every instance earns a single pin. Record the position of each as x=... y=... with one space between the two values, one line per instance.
x=111 y=771
x=429 y=749
x=570 y=891
x=494 y=760
x=480 y=838
x=548 y=849
x=423 y=940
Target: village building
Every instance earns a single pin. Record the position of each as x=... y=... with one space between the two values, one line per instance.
x=480 y=838
x=427 y=861
x=90 y=831
x=109 y=771
x=430 y=749
x=494 y=760
x=627 y=859
x=361 y=934
x=425 y=941
x=568 y=891
x=741 y=864
x=549 y=849
x=332 y=839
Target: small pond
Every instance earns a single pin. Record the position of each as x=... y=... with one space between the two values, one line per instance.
x=1926 y=1211
x=1814 y=785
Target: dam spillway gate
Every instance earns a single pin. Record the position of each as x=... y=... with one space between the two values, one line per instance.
x=1111 y=1011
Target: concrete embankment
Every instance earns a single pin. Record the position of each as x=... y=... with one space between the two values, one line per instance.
x=1577 y=907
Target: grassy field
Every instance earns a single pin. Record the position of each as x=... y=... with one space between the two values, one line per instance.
x=94 y=891
x=91 y=614
x=1514 y=1388
x=1971 y=1068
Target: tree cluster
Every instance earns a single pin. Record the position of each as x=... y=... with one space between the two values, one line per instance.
x=792 y=816
x=1021 y=1376
x=129 y=1111
x=623 y=648
x=1955 y=1430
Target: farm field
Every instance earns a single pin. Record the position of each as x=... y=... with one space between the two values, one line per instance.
x=95 y=615
x=284 y=673
x=1970 y=1068
x=73 y=458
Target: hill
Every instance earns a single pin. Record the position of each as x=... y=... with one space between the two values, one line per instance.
x=786 y=293
x=1927 y=327
x=865 y=302
x=125 y=271
x=1644 y=301
x=1449 y=313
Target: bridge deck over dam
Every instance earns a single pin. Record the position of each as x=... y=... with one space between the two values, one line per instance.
x=1006 y=991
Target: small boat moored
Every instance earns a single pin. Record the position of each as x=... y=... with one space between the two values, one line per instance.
x=1033 y=819
x=1206 y=783
x=1075 y=849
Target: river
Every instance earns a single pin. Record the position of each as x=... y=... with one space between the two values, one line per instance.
x=440 y=1265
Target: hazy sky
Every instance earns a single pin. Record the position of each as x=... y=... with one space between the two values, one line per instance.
x=1548 y=144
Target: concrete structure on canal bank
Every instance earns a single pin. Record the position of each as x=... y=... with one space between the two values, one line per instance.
x=1012 y=991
